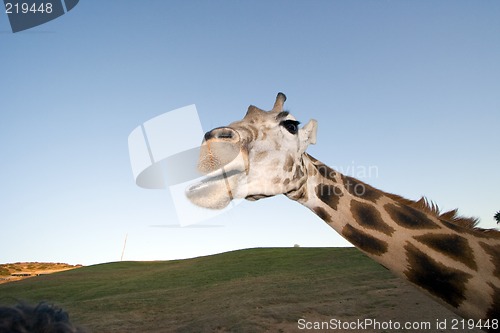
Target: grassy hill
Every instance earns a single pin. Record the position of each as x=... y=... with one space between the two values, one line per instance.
x=252 y=290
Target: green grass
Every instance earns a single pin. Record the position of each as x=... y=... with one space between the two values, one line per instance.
x=242 y=291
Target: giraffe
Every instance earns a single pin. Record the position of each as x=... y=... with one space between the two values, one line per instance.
x=442 y=254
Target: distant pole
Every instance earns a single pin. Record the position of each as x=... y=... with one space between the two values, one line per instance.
x=124 y=244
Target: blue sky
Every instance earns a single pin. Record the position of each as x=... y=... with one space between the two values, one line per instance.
x=411 y=89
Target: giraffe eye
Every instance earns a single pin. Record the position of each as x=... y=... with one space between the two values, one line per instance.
x=291 y=126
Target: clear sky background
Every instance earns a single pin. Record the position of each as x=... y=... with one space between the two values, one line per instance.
x=408 y=88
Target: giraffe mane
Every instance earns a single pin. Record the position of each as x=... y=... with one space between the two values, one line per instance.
x=451 y=217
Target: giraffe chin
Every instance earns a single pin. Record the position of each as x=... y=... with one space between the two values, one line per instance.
x=209 y=195
x=215 y=192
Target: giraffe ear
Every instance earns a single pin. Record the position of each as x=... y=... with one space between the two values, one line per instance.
x=307 y=134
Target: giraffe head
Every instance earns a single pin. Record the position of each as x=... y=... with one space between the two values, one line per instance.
x=256 y=157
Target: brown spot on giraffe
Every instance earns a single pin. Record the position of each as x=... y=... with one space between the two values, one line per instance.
x=260 y=156
x=441 y=281
x=364 y=241
x=494 y=252
x=408 y=217
x=453 y=246
x=369 y=217
x=323 y=214
x=360 y=189
x=494 y=310
x=288 y=166
x=326 y=171
x=329 y=194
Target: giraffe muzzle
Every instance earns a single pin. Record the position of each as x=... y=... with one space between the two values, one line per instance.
x=223 y=161
x=220 y=147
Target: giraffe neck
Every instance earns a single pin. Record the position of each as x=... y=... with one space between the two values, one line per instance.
x=442 y=255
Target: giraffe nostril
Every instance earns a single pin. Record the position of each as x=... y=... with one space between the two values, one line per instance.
x=221 y=133
x=225 y=135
